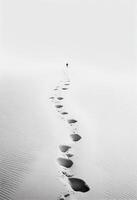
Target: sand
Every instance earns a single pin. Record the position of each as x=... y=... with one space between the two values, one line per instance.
x=102 y=102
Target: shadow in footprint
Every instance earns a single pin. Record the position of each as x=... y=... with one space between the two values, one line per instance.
x=65 y=162
x=69 y=155
x=59 y=106
x=64 y=113
x=78 y=185
x=60 y=98
x=72 y=121
x=52 y=98
x=64 y=148
x=75 y=137
x=66 y=195
x=67 y=175
x=64 y=88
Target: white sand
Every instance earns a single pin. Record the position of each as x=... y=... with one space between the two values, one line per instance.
x=103 y=102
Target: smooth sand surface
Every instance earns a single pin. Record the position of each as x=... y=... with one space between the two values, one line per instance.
x=31 y=132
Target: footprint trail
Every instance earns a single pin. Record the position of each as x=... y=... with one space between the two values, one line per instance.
x=72 y=183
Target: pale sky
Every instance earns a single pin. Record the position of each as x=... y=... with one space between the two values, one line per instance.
x=82 y=32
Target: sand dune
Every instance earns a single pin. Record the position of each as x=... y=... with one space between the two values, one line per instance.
x=32 y=130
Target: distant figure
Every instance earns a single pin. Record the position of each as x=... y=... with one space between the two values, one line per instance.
x=66 y=69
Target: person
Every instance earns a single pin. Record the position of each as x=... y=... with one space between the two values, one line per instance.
x=66 y=71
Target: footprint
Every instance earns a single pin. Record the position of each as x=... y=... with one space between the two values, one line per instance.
x=69 y=155
x=64 y=88
x=65 y=162
x=60 y=98
x=67 y=175
x=66 y=195
x=78 y=185
x=66 y=84
x=52 y=98
x=64 y=148
x=64 y=113
x=75 y=137
x=72 y=121
x=59 y=106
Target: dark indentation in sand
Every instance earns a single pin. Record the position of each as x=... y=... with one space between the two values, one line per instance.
x=64 y=148
x=78 y=185
x=64 y=88
x=60 y=98
x=59 y=106
x=75 y=137
x=66 y=195
x=72 y=121
x=65 y=162
x=69 y=155
x=51 y=98
x=64 y=113
x=67 y=175
x=66 y=84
